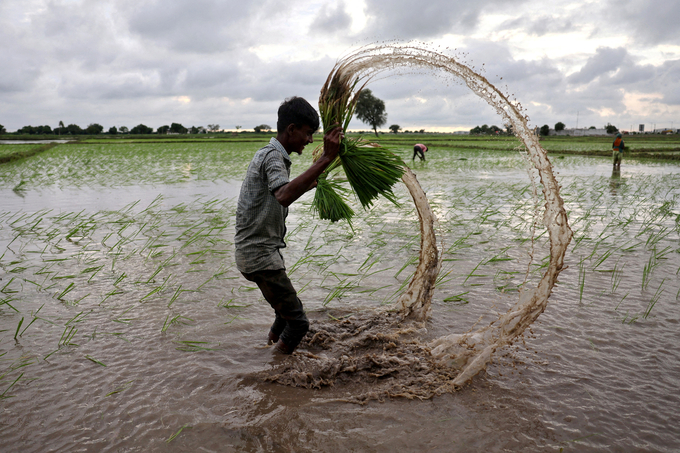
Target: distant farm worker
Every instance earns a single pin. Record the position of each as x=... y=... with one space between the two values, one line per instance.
x=261 y=214
x=617 y=150
x=419 y=150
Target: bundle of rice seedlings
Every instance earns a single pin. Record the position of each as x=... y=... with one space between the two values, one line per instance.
x=330 y=197
x=328 y=202
x=371 y=170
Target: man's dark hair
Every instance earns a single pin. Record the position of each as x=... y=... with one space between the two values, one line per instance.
x=297 y=111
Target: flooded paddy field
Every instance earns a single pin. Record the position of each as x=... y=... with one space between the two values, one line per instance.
x=124 y=325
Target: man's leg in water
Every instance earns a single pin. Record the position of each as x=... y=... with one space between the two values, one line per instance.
x=291 y=323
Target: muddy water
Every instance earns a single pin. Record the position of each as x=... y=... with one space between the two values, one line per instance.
x=111 y=365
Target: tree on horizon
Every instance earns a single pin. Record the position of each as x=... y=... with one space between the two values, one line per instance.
x=371 y=110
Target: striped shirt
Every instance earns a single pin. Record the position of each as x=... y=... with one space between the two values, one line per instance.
x=260 y=218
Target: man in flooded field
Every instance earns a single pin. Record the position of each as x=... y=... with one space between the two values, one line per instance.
x=261 y=214
x=617 y=150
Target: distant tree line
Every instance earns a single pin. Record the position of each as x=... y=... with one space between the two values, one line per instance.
x=369 y=109
x=491 y=130
x=177 y=128
x=559 y=126
x=96 y=129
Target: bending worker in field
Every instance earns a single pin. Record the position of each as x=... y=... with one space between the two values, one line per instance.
x=419 y=149
x=617 y=150
x=261 y=214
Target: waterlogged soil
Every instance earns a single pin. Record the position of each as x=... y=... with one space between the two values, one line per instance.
x=124 y=325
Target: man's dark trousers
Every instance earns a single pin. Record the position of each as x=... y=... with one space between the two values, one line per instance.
x=291 y=323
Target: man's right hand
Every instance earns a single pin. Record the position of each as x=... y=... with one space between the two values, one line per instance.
x=331 y=142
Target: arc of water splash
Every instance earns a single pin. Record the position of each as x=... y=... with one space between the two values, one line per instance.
x=469 y=352
x=416 y=301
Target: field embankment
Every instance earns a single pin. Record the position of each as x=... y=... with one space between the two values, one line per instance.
x=9 y=153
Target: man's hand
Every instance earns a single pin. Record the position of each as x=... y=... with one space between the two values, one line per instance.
x=331 y=142
x=290 y=192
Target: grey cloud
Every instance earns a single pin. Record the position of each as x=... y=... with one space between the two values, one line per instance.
x=331 y=19
x=274 y=82
x=605 y=61
x=243 y=76
x=653 y=22
x=630 y=73
x=445 y=111
x=668 y=80
x=236 y=76
x=204 y=75
x=81 y=32
x=201 y=26
x=610 y=70
x=104 y=86
x=406 y=19
x=17 y=74
x=541 y=25
x=537 y=78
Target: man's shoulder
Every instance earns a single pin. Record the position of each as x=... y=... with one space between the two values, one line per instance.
x=263 y=153
x=268 y=149
x=265 y=149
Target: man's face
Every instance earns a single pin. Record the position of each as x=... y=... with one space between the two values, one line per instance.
x=301 y=137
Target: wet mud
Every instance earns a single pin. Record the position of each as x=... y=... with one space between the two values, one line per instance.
x=365 y=357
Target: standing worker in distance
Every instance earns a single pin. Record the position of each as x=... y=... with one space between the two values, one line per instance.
x=617 y=150
x=261 y=214
x=419 y=150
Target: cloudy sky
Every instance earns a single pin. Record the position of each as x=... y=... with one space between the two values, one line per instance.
x=232 y=62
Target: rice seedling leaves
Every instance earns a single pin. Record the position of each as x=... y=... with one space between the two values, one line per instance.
x=6 y=301
x=68 y=289
x=230 y=304
x=6 y=290
x=193 y=346
x=4 y=394
x=177 y=319
x=171 y=438
x=121 y=388
x=95 y=361
x=654 y=300
x=458 y=299
x=66 y=337
x=18 y=327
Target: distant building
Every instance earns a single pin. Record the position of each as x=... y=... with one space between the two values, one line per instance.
x=461 y=133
